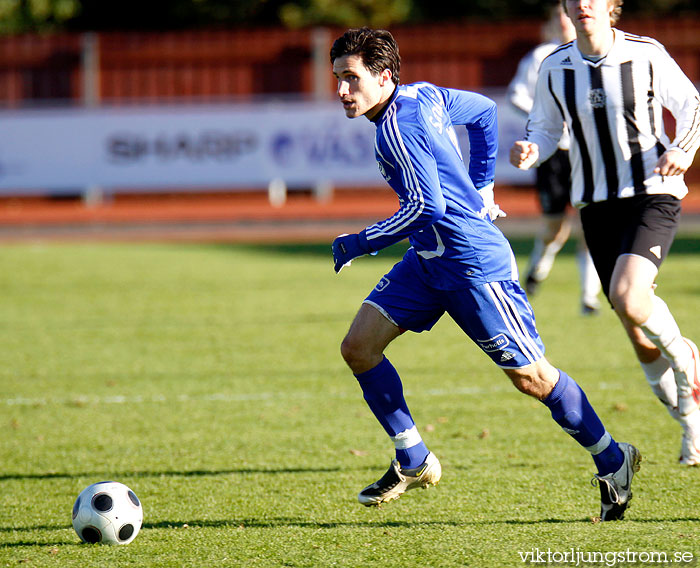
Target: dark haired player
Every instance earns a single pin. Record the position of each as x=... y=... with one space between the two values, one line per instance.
x=459 y=262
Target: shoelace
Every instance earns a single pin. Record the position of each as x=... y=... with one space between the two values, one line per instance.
x=389 y=480
x=610 y=487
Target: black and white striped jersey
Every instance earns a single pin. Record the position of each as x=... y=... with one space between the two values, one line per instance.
x=613 y=109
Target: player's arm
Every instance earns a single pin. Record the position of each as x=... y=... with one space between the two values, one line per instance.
x=545 y=127
x=347 y=248
x=524 y=154
x=521 y=89
x=479 y=115
x=678 y=95
x=422 y=202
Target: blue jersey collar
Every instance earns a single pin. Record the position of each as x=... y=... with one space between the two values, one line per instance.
x=377 y=119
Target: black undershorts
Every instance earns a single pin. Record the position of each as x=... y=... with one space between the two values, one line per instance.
x=553 y=180
x=643 y=225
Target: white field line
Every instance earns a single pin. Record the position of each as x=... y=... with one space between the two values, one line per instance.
x=79 y=400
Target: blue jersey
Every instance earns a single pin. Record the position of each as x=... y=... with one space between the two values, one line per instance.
x=441 y=212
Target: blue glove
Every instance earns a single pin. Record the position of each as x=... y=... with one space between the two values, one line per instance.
x=348 y=247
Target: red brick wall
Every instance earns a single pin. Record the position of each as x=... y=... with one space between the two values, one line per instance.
x=161 y=67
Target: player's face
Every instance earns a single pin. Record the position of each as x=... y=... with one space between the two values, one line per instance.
x=568 y=32
x=589 y=16
x=361 y=92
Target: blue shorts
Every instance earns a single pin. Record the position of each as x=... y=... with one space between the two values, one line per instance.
x=496 y=316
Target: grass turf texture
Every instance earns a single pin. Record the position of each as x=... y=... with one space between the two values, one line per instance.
x=209 y=380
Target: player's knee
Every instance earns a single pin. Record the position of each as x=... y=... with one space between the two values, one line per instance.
x=536 y=380
x=628 y=306
x=356 y=353
x=526 y=384
x=348 y=349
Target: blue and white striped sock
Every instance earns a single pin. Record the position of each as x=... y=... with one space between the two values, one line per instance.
x=383 y=391
x=572 y=411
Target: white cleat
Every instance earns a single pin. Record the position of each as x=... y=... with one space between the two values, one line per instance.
x=395 y=482
x=690 y=450
x=616 y=488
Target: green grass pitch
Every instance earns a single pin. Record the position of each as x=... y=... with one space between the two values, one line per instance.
x=208 y=378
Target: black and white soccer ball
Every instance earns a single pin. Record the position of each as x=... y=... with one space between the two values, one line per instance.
x=107 y=512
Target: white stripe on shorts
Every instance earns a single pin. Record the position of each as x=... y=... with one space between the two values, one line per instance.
x=513 y=321
x=381 y=311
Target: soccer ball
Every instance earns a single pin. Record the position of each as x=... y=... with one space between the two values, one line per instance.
x=107 y=512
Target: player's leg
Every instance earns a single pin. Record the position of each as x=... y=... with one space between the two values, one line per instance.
x=570 y=409
x=363 y=351
x=552 y=180
x=369 y=335
x=589 y=280
x=657 y=370
x=590 y=283
x=628 y=240
x=553 y=235
x=632 y=292
x=499 y=319
x=616 y=462
x=392 y=307
x=669 y=360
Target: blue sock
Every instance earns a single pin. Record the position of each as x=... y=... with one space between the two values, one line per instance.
x=572 y=411
x=383 y=392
